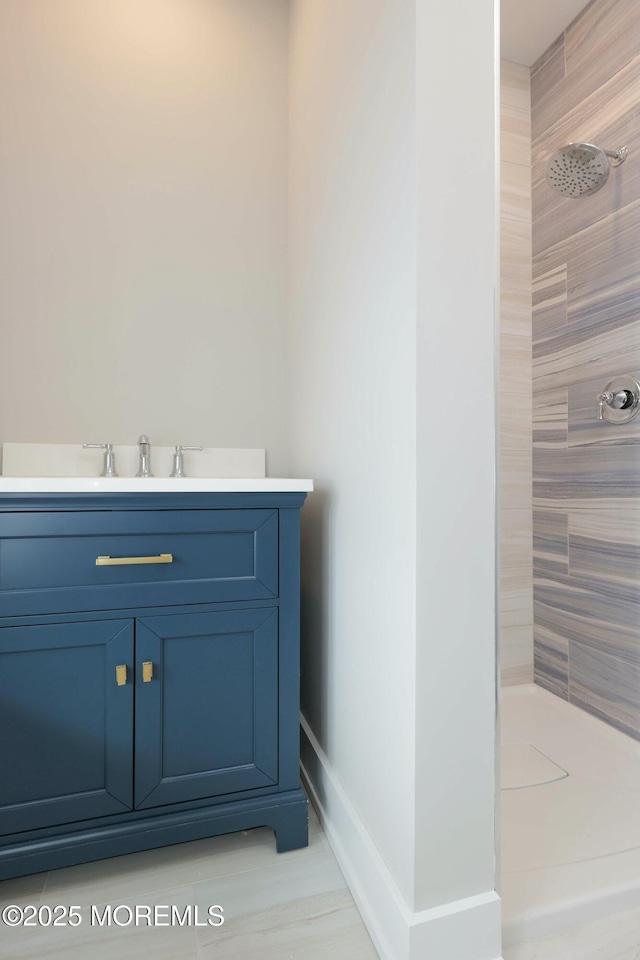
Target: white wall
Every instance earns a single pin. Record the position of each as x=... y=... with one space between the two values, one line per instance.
x=143 y=229
x=352 y=205
x=388 y=314
x=457 y=327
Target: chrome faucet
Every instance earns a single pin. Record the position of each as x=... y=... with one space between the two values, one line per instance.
x=144 y=470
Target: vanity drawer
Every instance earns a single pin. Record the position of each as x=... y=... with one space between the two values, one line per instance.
x=48 y=560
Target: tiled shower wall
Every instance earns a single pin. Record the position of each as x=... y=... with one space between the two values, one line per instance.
x=516 y=608
x=586 y=329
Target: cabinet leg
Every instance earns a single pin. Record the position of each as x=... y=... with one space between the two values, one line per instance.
x=292 y=827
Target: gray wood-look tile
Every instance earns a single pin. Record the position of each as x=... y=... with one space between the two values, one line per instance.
x=516 y=645
x=515 y=578
x=577 y=354
x=515 y=479
x=546 y=567
x=515 y=277
x=140 y=874
x=275 y=905
x=551 y=657
x=603 y=268
x=550 y=544
x=515 y=87
x=577 y=610
x=512 y=676
x=600 y=471
x=606 y=559
x=515 y=144
x=602 y=40
x=550 y=404
x=516 y=602
x=574 y=104
x=516 y=416
x=517 y=609
x=515 y=118
x=586 y=328
x=549 y=300
x=560 y=219
x=605 y=686
x=311 y=928
x=608 y=520
x=585 y=429
x=516 y=365
x=22 y=890
x=550 y=417
x=548 y=70
x=613 y=937
x=515 y=191
x=516 y=530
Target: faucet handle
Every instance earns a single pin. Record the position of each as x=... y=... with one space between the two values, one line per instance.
x=178 y=459
x=109 y=468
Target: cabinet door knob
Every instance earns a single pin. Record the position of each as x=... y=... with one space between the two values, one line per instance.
x=121 y=674
x=147 y=671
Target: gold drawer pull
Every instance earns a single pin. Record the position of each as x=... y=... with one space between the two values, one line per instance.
x=121 y=674
x=117 y=561
x=147 y=671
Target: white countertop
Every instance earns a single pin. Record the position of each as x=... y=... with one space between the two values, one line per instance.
x=152 y=485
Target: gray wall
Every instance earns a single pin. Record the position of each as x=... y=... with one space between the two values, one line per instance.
x=586 y=329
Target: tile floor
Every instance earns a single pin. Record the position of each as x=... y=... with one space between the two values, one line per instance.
x=616 y=937
x=579 y=856
x=291 y=906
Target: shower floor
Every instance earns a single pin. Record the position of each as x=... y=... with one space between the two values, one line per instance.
x=570 y=816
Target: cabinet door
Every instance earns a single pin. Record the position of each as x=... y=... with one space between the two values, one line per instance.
x=207 y=720
x=66 y=726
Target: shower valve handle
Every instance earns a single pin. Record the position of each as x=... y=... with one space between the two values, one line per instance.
x=619 y=402
x=602 y=399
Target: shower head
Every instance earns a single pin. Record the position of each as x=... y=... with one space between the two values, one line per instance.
x=581 y=168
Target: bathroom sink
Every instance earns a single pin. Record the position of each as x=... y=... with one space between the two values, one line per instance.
x=152 y=485
x=68 y=468
x=67 y=460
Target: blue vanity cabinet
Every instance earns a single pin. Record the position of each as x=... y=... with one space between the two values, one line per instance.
x=66 y=726
x=208 y=712
x=147 y=701
x=49 y=558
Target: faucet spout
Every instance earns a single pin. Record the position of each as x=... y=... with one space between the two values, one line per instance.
x=144 y=469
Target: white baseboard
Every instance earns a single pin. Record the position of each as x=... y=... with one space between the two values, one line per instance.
x=467 y=929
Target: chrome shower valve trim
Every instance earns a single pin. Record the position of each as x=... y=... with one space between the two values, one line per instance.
x=619 y=402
